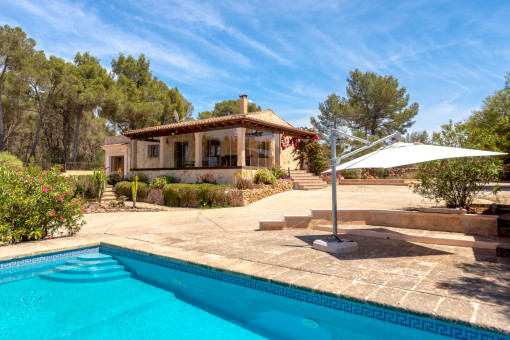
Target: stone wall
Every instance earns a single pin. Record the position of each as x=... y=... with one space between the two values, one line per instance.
x=245 y=197
x=155 y=196
x=235 y=197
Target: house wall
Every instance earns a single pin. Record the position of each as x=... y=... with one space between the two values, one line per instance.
x=270 y=116
x=117 y=150
x=141 y=156
x=287 y=159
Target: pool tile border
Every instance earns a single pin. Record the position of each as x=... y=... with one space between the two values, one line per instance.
x=36 y=259
x=294 y=292
x=413 y=321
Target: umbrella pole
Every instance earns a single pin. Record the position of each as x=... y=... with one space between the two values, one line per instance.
x=333 y=184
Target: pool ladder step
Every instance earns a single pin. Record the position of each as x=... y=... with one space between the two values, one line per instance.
x=94 y=267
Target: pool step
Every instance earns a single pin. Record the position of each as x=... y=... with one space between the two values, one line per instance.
x=83 y=278
x=76 y=262
x=95 y=267
x=80 y=270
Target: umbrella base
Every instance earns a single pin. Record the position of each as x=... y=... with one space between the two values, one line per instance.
x=335 y=246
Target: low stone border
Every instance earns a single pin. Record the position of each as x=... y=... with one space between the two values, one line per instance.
x=104 y=208
x=486 y=225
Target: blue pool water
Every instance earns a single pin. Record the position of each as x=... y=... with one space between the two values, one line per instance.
x=177 y=301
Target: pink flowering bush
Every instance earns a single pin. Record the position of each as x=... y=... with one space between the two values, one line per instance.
x=36 y=204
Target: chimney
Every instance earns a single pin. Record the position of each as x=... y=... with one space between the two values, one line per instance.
x=243 y=103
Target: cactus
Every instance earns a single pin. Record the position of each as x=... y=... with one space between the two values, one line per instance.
x=134 y=190
x=99 y=181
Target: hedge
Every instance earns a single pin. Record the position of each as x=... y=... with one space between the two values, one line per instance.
x=124 y=189
x=196 y=195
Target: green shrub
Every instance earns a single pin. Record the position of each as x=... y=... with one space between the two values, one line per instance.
x=36 y=204
x=264 y=176
x=196 y=195
x=114 y=178
x=141 y=177
x=10 y=159
x=124 y=189
x=376 y=173
x=458 y=182
x=351 y=173
x=277 y=172
x=84 y=186
x=244 y=184
x=160 y=181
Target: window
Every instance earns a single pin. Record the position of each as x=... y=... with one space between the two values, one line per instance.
x=260 y=148
x=152 y=151
x=219 y=148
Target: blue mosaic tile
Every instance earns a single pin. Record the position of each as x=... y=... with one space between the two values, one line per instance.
x=407 y=320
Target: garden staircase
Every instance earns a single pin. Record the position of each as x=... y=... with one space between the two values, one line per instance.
x=108 y=195
x=304 y=180
x=95 y=267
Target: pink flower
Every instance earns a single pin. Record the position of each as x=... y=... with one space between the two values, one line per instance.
x=84 y=210
x=75 y=201
x=40 y=179
x=44 y=189
x=59 y=199
x=53 y=214
x=62 y=219
x=49 y=238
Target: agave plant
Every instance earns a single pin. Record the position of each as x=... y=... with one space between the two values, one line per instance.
x=134 y=190
x=99 y=181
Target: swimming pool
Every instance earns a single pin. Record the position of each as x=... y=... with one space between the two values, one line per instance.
x=163 y=299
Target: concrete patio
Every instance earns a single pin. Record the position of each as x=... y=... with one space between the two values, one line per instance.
x=456 y=283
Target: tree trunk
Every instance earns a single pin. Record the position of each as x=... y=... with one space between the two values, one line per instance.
x=76 y=133
x=65 y=125
x=1 y=113
x=42 y=112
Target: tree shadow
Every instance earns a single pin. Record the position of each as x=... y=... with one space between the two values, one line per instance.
x=373 y=247
x=485 y=282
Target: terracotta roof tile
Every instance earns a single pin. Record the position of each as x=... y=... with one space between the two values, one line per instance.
x=204 y=123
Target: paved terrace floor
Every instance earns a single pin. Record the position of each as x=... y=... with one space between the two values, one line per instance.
x=444 y=281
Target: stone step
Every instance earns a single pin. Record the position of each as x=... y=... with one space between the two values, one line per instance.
x=310 y=183
x=302 y=175
x=414 y=235
x=310 y=188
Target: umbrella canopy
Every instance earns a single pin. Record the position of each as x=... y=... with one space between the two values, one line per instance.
x=410 y=153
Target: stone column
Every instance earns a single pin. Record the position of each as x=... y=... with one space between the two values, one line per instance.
x=162 y=152
x=134 y=152
x=126 y=162
x=241 y=158
x=107 y=159
x=198 y=149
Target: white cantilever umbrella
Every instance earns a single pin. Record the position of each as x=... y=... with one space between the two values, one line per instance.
x=394 y=155
x=399 y=154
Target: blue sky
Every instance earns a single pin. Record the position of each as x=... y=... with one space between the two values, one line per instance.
x=289 y=55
